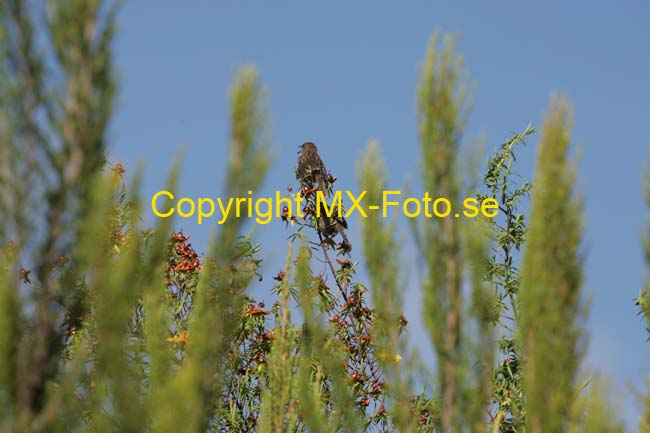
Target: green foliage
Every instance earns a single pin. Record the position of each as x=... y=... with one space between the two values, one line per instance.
x=479 y=379
x=382 y=256
x=10 y=319
x=456 y=253
x=441 y=112
x=53 y=129
x=551 y=311
x=107 y=325
x=248 y=157
x=644 y=422
x=279 y=411
x=507 y=236
x=594 y=412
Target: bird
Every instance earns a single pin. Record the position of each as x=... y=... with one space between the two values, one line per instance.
x=311 y=171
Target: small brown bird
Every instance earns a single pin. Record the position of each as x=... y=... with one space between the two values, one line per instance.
x=311 y=171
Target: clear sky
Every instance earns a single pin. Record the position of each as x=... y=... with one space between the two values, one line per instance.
x=339 y=73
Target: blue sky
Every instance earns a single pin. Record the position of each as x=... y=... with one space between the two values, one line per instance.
x=339 y=73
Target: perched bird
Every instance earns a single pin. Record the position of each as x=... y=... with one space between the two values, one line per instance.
x=311 y=171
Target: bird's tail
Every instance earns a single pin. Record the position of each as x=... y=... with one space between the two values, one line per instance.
x=347 y=246
x=321 y=184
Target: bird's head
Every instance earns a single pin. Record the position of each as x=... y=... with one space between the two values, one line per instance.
x=308 y=146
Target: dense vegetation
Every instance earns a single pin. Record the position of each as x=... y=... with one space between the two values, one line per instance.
x=108 y=325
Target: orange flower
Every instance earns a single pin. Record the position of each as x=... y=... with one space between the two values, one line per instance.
x=256 y=311
x=182 y=337
x=24 y=275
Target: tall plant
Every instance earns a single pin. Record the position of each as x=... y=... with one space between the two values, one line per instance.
x=552 y=313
